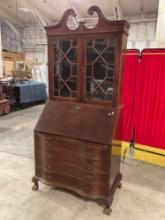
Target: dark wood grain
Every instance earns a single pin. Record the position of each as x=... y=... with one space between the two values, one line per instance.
x=78 y=120
x=73 y=136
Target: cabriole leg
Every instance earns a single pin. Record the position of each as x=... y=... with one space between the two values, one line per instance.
x=36 y=185
x=119 y=185
x=107 y=207
x=107 y=210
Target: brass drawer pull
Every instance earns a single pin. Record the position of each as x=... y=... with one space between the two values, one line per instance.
x=88 y=177
x=49 y=166
x=90 y=153
x=88 y=167
x=88 y=189
x=49 y=178
x=77 y=107
x=50 y=139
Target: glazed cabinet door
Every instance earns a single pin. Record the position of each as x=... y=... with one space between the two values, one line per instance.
x=63 y=68
x=101 y=58
x=84 y=68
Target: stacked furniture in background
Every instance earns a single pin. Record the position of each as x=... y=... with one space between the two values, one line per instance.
x=4 y=107
x=30 y=92
x=4 y=103
x=23 y=92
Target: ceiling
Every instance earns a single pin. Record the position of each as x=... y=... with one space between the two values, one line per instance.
x=23 y=12
x=131 y=7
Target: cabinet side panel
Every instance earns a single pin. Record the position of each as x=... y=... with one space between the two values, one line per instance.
x=115 y=162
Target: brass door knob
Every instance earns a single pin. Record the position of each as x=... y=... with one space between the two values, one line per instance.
x=111 y=113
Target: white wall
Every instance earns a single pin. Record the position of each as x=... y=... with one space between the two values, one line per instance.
x=35 y=48
x=9 y=39
x=35 y=43
x=160 y=33
x=141 y=35
x=1 y=64
x=142 y=31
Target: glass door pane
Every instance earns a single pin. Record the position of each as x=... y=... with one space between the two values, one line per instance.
x=100 y=64
x=65 y=68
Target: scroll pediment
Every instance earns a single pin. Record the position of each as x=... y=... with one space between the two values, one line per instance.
x=70 y=22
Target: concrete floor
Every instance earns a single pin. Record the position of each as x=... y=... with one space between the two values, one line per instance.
x=142 y=196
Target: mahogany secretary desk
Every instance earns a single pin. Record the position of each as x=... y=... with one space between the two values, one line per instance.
x=73 y=136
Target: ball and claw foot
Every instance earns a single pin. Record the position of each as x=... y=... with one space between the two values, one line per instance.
x=107 y=210
x=35 y=181
x=119 y=185
x=35 y=187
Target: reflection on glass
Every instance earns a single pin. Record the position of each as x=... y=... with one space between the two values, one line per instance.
x=100 y=58
x=65 y=68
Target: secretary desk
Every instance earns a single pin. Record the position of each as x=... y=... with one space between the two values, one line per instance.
x=74 y=134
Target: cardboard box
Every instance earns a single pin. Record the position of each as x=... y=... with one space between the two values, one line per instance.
x=21 y=75
x=12 y=56
x=8 y=67
x=9 y=59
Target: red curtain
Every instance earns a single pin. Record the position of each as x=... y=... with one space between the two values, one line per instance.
x=149 y=99
x=130 y=70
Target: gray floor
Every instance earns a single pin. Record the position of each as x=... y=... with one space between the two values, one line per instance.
x=142 y=196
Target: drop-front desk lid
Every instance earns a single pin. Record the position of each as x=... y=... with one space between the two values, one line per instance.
x=78 y=120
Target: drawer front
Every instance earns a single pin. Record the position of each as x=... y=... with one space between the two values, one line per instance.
x=86 y=150
x=85 y=162
x=81 y=173
x=48 y=159
x=70 y=182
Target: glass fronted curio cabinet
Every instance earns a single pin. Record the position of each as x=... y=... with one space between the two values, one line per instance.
x=73 y=137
